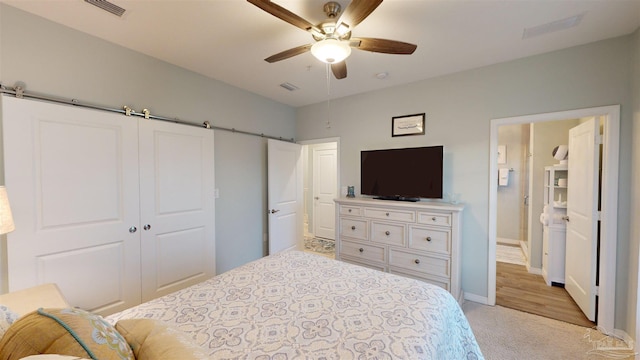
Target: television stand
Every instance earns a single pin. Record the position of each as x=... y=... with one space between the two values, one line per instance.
x=397 y=198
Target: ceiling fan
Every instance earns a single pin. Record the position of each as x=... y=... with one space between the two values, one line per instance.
x=333 y=36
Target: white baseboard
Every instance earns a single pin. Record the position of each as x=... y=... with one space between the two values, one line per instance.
x=476 y=298
x=507 y=241
x=525 y=250
x=532 y=270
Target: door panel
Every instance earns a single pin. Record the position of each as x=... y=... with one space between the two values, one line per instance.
x=324 y=188
x=106 y=269
x=72 y=177
x=177 y=203
x=582 y=211
x=285 y=191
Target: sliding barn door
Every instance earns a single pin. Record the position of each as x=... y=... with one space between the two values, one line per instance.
x=72 y=179
x=284 y=177
x=177 y=207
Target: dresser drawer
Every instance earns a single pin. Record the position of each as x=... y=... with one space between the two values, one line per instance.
x=437 y=240
x=366 y=252
x=353 y=228
x=425 y=264
x=387 y=233
x=434 y=218
x=396 y=215
x=365 y=264
x=350 y=210
x=441 y=282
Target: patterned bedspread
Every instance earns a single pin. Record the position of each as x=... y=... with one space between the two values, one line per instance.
x=295 y=305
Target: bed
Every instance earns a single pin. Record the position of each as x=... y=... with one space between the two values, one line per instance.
x=296 y=305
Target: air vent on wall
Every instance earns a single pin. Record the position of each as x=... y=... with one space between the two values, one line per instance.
x=107 y=6
x=289 y=86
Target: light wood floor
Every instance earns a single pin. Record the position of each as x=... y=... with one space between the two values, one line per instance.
x=518 y=289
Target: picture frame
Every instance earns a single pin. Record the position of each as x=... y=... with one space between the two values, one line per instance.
x=408 y=125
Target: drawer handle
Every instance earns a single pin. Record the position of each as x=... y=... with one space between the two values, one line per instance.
x=353 y=227
x=428 y=238
x=433 y=218
x=361 y=250
x=349 y=210
x=387 y=233
x=387 y=214
x=417 y=261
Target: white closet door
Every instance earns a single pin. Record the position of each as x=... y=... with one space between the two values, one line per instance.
x=177 y=207
x=72 y=179
x=284 y=178
x=325 y=190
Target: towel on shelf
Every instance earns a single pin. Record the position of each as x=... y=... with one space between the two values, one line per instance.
x=503 y=177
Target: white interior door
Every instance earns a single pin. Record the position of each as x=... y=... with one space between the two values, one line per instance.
x=285 y=191
x=72 y=177
x=177 y=206
x=582 y=212
x=324 y=190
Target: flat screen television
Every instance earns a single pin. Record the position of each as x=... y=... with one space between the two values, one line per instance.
x=402 y=174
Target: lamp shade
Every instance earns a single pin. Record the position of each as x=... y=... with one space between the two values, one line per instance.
x=331 y=50
x=6 y=218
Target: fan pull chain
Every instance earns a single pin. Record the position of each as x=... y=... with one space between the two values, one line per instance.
x=328 y=126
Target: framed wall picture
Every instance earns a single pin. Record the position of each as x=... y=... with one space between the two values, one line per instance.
x=407 y=125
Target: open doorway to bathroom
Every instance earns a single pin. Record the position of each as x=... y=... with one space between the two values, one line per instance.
x=523 y=279
x=534 y=167
x=320 y=189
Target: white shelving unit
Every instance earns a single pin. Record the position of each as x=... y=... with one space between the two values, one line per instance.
x=555 y=229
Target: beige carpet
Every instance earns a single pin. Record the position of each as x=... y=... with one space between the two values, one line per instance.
x=504 y=333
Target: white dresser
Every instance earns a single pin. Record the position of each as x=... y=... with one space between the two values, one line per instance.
x=420 y=240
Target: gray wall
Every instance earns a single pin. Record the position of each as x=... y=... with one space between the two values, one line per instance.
x=459 y=108
x=57 y=60
x=510 y=198
x=634 y=247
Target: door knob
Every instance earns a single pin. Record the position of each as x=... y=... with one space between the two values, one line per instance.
x=147 y=227
x=133 y=229
x=273 y=211
x=317 y=198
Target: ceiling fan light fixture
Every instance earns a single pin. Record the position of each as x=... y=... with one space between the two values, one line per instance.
x=331 y=51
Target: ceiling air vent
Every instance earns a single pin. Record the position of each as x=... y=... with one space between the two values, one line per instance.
x=107 y=6
x=553 y=26
x=289 y=86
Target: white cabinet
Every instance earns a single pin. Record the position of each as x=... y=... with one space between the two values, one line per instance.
x=552 y=218
x=419 y=240
x=114 y=209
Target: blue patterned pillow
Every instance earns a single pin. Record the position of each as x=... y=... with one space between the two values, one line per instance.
x=7 y=317
x=66 y=332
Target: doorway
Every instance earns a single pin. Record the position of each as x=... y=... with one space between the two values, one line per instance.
x=608 y=230
x=320 y=187
x=530 y=267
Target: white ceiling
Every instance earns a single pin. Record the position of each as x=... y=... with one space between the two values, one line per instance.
x=227 y=40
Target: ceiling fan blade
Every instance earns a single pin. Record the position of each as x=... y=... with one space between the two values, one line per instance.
x=284 y=14
x=288 y=53
x=383 y=46
x=357 y=11
x=339 y=69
